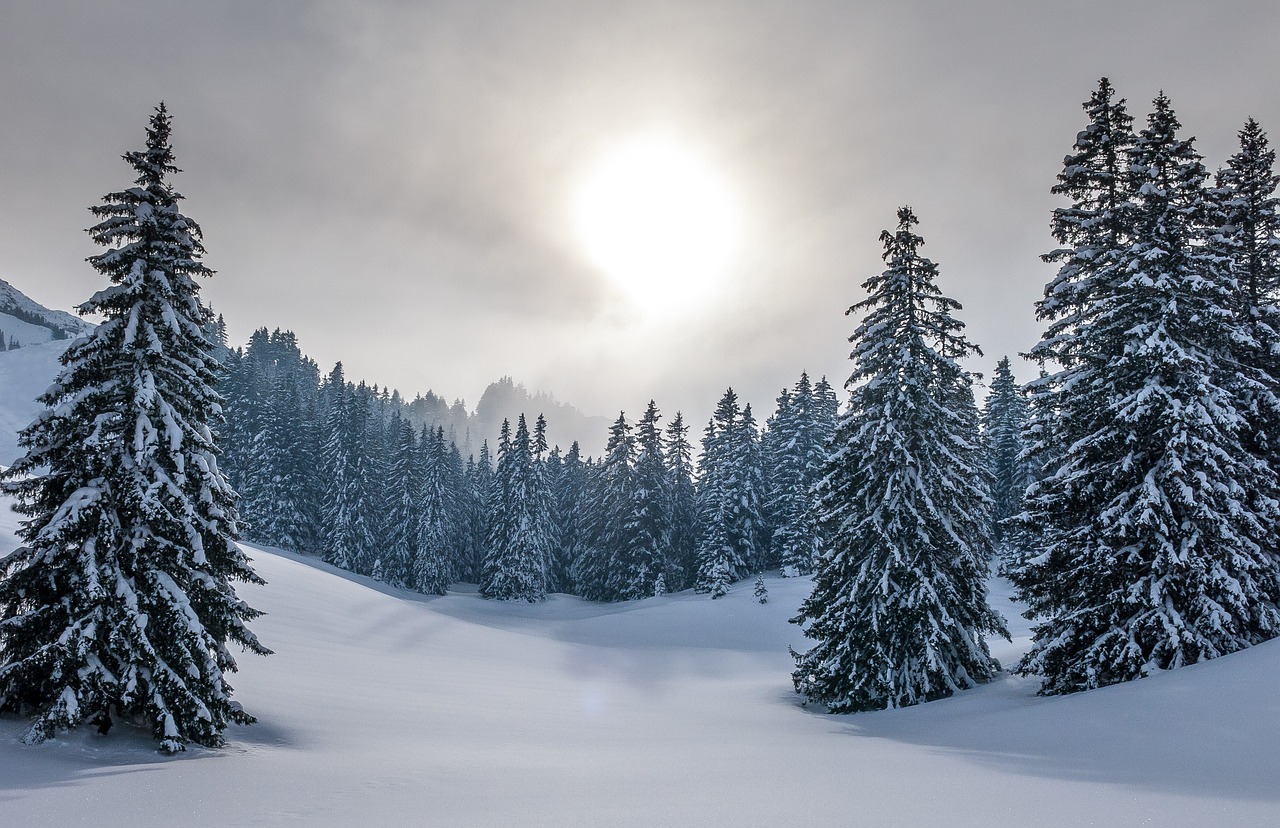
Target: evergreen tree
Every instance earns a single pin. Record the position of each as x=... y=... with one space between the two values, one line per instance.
x=719 y=551
x=433 y=568
x=570 y=492
x=335 y=457
x=651 y=498
x=761 y=592
x=610 y=567
x=1154 y=526
x=730 y=481
x=120 y=601
x=1246 y=237
x=1003 y=423
x=480 y=494
x=796 y=448
x=515 y=568
x=898 y=608
x=397 y=555
x=682 y=562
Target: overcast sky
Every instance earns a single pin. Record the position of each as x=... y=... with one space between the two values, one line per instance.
x=390 y=180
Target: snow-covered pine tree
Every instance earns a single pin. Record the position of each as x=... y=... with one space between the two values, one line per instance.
x=796 y=442
x=120 y=601
x=682 y=561
x=776 y=443
x=748 y=493
x=479 y=496
x=899 y=605
x=760 y=592
x=732 y=533
x=720 y=548
x=1154 y=525
x=651 y=496
x=515 y=568
x=543 y=501
x=570 y=491
x=433 y=555
x=337 y=459
x=1091 y=232
x=1004 y=419
x=1246 y=236
x=397 y=554
x=609 y=567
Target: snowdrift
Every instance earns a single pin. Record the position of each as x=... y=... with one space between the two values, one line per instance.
x=383 y=707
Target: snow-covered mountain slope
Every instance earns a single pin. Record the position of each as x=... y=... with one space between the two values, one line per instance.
x=382 y=707
x=30 y=322
x=24 y=374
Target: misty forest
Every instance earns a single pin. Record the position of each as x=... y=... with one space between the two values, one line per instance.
x=1129 y=493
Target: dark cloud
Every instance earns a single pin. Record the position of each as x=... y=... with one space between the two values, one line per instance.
x=389 y=179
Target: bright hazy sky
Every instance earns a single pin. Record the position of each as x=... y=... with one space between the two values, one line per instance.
x=393 y=180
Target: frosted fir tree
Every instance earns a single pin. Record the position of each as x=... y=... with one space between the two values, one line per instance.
x=479 y=494
x=719 y=557
x=898 y=608
x=730 y=482
x=760 y=592
x=1154 y=527
x=337 y=457
x=569 y=498
x=795 y=450
x=1245 y=235
x=120 y=601
x=609 y=566
x=1093 y=233
x=1004 y=419
x=397 y=554
x=515 y=568
x=651 y=496
x=749 y=490
x=681 y=560
x=433 y=565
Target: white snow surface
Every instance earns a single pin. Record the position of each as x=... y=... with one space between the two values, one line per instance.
x=383 y=707
x=25 y=374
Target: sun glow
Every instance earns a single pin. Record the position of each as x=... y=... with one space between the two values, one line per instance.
x=658 y=220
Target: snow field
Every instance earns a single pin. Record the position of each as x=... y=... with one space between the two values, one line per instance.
x=384 y=707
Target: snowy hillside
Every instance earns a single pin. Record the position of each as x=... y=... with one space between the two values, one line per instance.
x=29 y=322
x=382 y=707
x=24 y=374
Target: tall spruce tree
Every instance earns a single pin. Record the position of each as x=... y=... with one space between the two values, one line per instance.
x=732 y=534
x=1004 y=420
x=515 y=568
x=651 y=494
x=1152 y=534
x=1245 y=235
x=433 y=557
x=396 y=555
x=608 y=568
x=721 y=545
x=682 y=561
x=796 y=442
x=570 y=489
x=120 y=601
x=898 y=608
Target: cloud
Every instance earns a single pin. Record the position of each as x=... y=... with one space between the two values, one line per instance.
x=389 y=179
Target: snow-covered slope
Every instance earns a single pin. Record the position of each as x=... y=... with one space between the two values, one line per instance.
x=386 y=708
x=24 y=374
x=30 y=322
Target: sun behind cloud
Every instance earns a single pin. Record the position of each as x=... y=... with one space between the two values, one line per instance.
x=658 y=220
